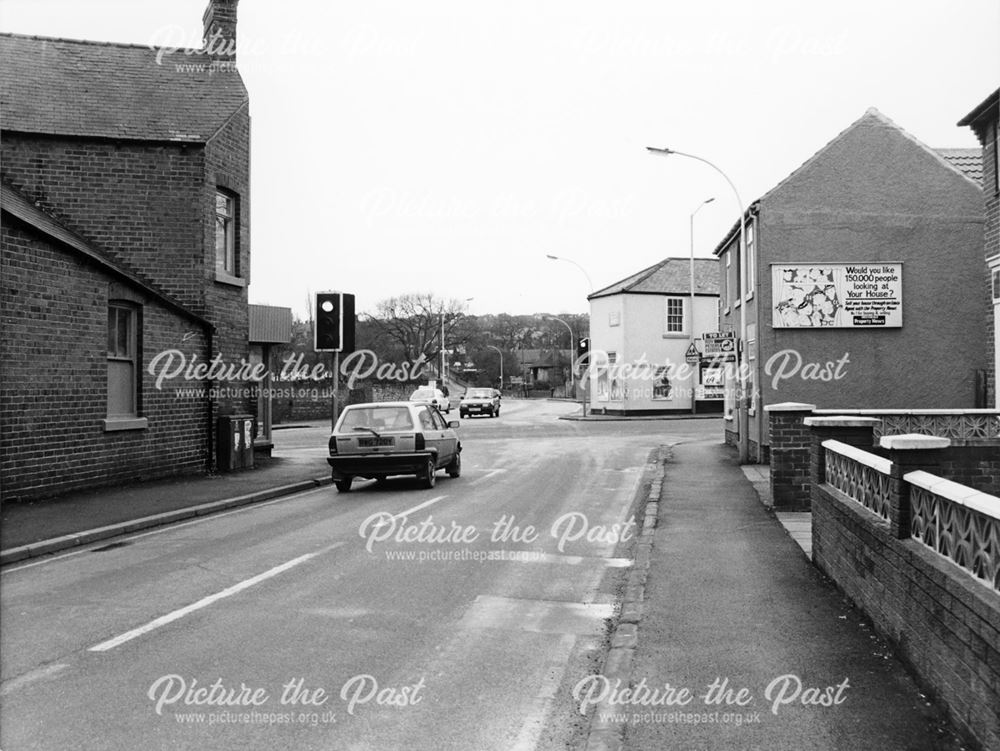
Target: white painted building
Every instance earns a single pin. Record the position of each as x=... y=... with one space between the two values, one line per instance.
x=640 y=331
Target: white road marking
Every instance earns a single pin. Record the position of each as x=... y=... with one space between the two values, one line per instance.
x=487 y=476
x=576 y=560
x=425 y=504
x=30 y=677
x=206 y=601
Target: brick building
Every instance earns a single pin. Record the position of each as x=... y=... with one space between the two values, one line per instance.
x=984 y=121
x=125 y=248
x=861 y=274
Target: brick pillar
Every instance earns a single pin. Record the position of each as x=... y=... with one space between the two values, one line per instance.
x=852 y=430
x=789 y=440
x=908 y=453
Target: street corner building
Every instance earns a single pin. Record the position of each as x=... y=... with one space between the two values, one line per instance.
x=860 y=283
x=125 y=244
x=644 y=337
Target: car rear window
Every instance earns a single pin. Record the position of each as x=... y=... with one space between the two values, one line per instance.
x=377 y=418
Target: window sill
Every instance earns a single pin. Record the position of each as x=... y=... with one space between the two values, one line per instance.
x=676 y=336
x=233 y=281
x=115 y=424
x=737 y=304
x=749 y=296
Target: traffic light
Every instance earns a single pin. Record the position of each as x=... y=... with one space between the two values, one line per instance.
x=583 y=350
x=334 y=316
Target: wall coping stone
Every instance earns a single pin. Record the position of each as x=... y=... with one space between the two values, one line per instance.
x=908 y=411
x=790 y=407
x=963 y=495
x=910 y=441
x=877 y=463
x=843 y=421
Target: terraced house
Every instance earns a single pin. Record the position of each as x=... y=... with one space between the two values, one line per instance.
x=125 y=235
x=860 y=283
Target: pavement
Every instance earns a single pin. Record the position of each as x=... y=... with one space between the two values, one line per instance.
x=29 y=530
x=771 y=655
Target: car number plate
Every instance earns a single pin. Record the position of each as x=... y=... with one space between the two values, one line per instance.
x=372 y=442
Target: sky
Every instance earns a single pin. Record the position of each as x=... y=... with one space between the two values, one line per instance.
x=450 y=146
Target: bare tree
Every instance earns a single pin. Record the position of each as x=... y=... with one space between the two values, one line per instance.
x=414 y=322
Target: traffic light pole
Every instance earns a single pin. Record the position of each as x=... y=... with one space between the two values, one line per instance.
x=335 y=360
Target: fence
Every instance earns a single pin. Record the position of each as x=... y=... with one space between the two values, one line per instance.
x=920 y=555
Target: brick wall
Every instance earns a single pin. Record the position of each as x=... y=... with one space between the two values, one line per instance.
x=227 y=159
x=991 y=241
x=945 y=624
x=975 y=466
x=151 y=206
x=137 y=201
x=53 y=394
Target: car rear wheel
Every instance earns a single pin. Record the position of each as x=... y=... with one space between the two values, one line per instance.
x=427 y=477
x=454 y=468
x=344 y=484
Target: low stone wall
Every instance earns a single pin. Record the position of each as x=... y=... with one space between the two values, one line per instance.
x=944 y=621
x=311 y=401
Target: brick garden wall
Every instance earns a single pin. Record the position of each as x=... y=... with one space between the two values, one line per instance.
x=945 y=623
x=53 y=393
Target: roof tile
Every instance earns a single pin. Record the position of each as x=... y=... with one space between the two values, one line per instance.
x=99 y=89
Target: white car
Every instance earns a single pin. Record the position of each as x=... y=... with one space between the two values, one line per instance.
x=382 y=439
x=430 y=395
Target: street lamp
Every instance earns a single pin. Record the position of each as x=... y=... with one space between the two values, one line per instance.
x=741 y=412
x=572 y=347
x=499 y=352
x=444 y=364
x=570 y=260
x=694 y=373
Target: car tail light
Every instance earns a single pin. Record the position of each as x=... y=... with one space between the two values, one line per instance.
x=333 y=445
x=418 y=442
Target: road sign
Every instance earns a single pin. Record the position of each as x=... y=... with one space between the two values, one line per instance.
x=692 y=355
x=720 y=345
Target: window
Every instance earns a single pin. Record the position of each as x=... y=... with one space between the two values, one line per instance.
x=675 y=315
x=996 y=285
x=738 y=275
x=225 y=233
x=123 y=392
x=426 y=419
x=750 y=262
x=614 y=318
x=661 y=386
x=439 y=421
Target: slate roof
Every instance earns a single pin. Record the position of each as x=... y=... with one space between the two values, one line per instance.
x=100 y=89
x=19 y=207
x=961 y=161
x=671 y=276
x=969 y=161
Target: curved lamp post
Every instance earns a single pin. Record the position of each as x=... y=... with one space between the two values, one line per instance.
x=499 y=352
x=742 y=403
x=572 y=347
x=694 y=373
x=570 y=260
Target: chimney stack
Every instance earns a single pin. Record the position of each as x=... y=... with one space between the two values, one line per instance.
x=220 y=30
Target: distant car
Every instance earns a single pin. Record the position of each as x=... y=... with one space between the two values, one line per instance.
x=479 y=402
x=383 y=439
x=432 y=396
